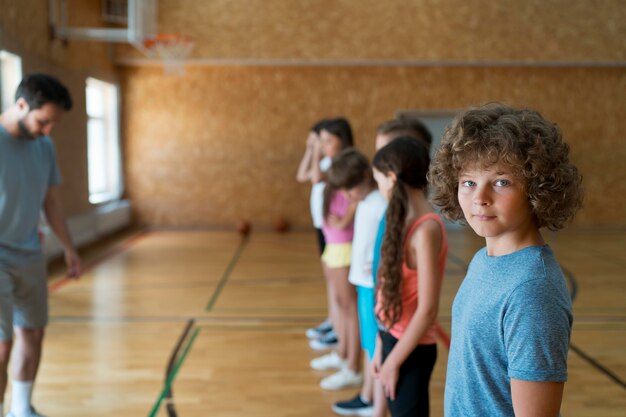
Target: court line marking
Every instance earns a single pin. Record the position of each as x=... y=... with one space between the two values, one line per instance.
x=116 y=250
x=169 y=394
x=172 y=375
x=229 y=268
x=589 y=359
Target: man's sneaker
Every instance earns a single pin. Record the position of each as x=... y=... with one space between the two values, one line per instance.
x=329 y=361
x=345 y=378
x=327 y=341
x=354 y=407
x=319 y=331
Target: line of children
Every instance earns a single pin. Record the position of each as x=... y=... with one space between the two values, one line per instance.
x=506 y=173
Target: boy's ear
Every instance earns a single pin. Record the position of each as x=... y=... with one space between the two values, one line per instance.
x=392 y=175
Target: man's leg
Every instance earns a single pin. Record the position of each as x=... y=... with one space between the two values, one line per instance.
x=5 y=355
x=29 y=321
x=6 y=328
x=26 y=358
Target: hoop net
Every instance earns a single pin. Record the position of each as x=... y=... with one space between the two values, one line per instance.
x=171 y=49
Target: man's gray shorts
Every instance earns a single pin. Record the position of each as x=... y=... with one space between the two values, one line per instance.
x=23 y=292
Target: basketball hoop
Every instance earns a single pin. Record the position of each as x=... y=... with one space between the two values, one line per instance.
x=172 y=49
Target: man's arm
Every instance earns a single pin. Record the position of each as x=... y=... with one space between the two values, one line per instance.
x=56 y=220
x=536 y=399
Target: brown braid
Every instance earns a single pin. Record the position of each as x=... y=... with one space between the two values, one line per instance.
x=392 y=254
x=408 y=159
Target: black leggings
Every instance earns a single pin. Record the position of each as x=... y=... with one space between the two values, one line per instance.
x=321 y=241
x=413 y=379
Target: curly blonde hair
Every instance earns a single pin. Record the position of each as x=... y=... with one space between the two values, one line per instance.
x=531 y=146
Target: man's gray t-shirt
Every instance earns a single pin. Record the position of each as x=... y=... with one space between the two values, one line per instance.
x=511 y=318
x=28 y=169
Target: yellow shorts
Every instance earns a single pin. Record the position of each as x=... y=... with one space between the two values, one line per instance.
x=337 y=255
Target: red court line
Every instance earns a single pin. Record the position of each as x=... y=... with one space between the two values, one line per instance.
x=122 y=247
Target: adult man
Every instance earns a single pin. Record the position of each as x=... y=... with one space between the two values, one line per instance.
x=29 y=180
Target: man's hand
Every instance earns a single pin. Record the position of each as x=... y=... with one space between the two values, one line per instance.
x=74 y=268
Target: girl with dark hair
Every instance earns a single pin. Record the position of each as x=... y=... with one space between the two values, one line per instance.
x=409 y=279
x=338 y=228
x=310 y=170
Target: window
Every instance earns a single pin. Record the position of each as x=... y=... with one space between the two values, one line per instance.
x=104 y=156
x=10 y=77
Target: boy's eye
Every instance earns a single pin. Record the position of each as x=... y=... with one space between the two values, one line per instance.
x=503 y=183
x=467 y=183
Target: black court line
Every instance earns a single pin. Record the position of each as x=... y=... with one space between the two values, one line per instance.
x=598 y=366
x=229 y=269
x=589 y=359
x=169 y=393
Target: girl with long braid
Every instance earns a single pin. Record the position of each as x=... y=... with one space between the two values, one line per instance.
x=409 y=279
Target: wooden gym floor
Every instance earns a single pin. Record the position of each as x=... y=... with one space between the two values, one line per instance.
x=237 y=310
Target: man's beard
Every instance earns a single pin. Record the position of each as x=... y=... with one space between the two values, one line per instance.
x=24 y=132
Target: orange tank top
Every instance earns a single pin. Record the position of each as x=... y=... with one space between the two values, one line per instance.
x=409 y=283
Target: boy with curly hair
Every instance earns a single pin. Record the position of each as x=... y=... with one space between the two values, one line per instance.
x=506 y=173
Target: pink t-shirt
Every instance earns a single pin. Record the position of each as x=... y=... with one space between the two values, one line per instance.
x=338 y=206
x=409 y=284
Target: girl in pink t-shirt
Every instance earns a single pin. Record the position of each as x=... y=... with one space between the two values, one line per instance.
x=338 y=231
x=409 y=279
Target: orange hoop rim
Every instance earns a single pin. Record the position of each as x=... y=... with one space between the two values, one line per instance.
x=167 y=39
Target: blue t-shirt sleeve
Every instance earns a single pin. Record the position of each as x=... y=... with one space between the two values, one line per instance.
x=54 y=178
x=537 y=328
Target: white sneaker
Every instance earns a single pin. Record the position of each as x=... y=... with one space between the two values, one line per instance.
x=345 y=378
x=319 y=331
x=33 y=413
x=329 y=361
x=326 y=341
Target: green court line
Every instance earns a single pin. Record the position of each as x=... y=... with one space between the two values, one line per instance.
x=226 y=275
x=172 y=376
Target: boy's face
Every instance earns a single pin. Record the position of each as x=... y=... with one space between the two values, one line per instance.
x=495 y=204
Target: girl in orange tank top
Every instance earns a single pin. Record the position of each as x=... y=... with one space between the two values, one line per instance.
x=412 y=266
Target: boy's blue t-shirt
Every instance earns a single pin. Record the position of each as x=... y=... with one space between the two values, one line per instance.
x=511 y=318
x=378 y=245
x=28 y=169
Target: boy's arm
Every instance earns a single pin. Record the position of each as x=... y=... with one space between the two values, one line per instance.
x=536 y=399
